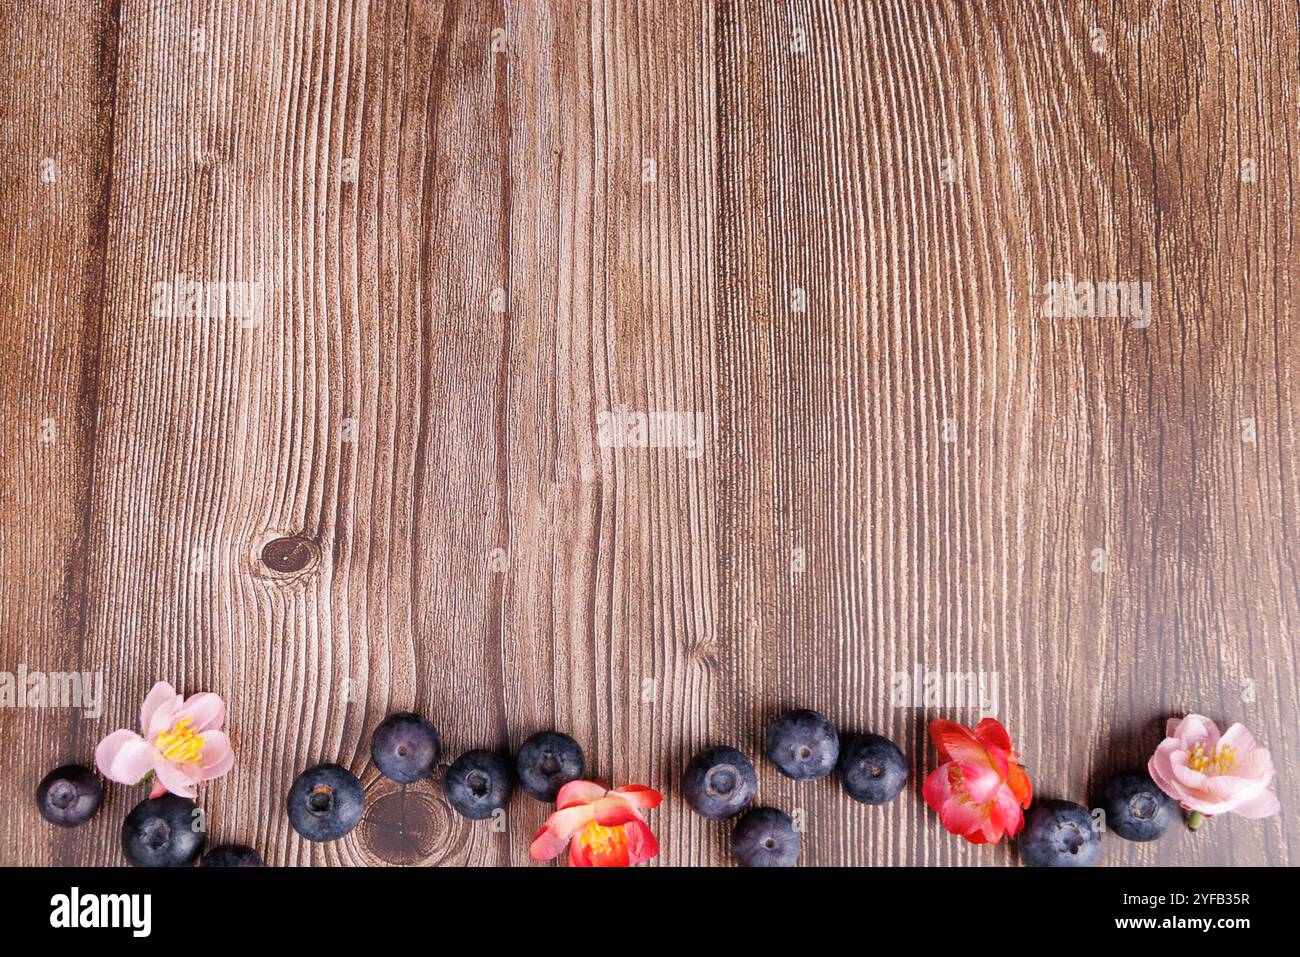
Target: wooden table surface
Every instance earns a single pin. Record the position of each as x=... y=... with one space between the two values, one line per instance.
x=819 y=232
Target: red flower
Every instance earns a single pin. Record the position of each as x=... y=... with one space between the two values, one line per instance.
x=980 y=789
x=601 y=828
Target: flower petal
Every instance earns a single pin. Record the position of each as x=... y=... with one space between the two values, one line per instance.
x=641 y=842
x=217 y=756
x=938 y=787
x=175 y=778
x=1005 y=815
x=1238 y=738
x=1019 y=783
x=160 y=706
x=124 y=757
x=614 y=811
x=964 y=818
x=640 y=796
x=992 y=735
x=547 y=844
x=982 y=783
x=564 y=823
x=1265 y=805
x=955 y=742
x=579 y=792
x=1160 y=768
x=207 y=710
x=1197 y=728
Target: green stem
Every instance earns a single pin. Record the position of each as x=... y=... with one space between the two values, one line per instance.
x=1195 y=820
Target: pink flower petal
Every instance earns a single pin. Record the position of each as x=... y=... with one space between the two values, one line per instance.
x=124 y=757
x=982 y=783
x=1161 y=769
x=938 y=787
x=1197 y=728
x=579 y=792
x=613 y=811
x=640 y=796
x=546 y=845
x=960 y=817
x=1239 y=738
x=217 y=757
x=956 y=742
x=564 y=824
x=174 y=778
x=1006 y=814
x=1265 y=805
x=993 y=736
x=1231 y=791
x=207 y=710
x=160 y=705
x=1187 y=778
x=641 y=842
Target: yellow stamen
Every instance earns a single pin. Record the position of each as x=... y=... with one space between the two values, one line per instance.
x=601 y=839
x=1222 y=760
x=182 y=743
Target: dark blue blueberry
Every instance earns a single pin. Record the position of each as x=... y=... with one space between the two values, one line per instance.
x=765 y=837
x=1135 y=808
x=69 y=795
x=1059 y=834
x=548 y=761
x=231 y=855
x=405 y=747
x=325 y=802
x=719 y=783
x=803 y=744
x=163 y=832
x=872 y=769
x=478 y=783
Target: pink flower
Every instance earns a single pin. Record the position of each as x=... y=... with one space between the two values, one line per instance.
x=181 y=743
x=979 y=790
x=1214 y=773
x=600 y=828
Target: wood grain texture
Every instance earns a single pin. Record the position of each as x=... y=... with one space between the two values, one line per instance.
x=822 y=229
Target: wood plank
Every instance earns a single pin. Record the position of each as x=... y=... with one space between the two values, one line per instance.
x=56 y=100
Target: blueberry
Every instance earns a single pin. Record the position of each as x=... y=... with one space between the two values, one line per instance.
x=1135 y=808
x=478 y=783
x=719 y=783
x=163 y=832
x=231 y=855
x=1059 y=834
x=872 y=769
x=548 y=761
x=69 y=795
x=325 y=802
x=765 y=837
x=803 y=744
x=405 y=747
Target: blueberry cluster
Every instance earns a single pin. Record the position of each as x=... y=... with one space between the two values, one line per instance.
x=1065 y=834
x=326 y=801
x=720 y=783
x=165 y=831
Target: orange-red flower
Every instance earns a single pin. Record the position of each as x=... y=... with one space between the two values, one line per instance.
x=979 y=790
x=600 y=828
